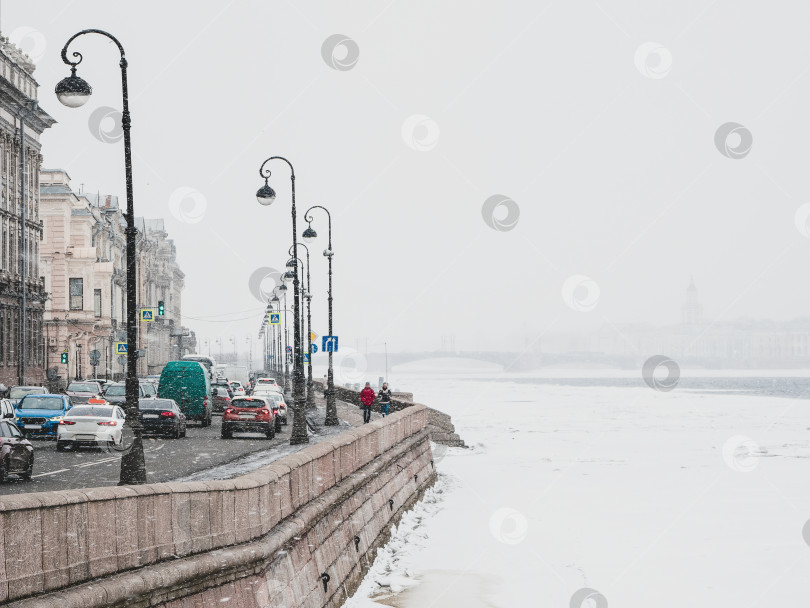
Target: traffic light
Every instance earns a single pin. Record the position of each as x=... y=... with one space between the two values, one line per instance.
x=161 y=308
x=64 y=358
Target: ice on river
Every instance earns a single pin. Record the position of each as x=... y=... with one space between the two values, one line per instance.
x=639 y=497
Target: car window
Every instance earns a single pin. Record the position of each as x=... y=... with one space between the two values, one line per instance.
x=116 y=390
x=101 y=412
x=15 y=432
x=33 y=402
x=18 y=392
x=4 y=430
x=82 y=387
x=249 y=402
x=148 y=389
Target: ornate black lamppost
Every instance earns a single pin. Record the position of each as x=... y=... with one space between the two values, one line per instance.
x=266 y=195
x=308 y=298
x=74 y=92
x=309 y=235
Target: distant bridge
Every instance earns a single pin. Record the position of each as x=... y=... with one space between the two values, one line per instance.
x=510 y=361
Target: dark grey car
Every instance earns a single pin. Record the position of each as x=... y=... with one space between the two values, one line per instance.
x=116 y=394
x=82 y=392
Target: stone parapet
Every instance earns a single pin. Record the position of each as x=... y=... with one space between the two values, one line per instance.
x=159 y=538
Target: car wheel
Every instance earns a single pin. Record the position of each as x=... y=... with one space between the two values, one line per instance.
x=285 y=420
x=29 y=472
x=61 y=446
x=226 y=433
x=3 y=473
x=184 y=432
x=204 y=422
x=176 y=433
x=278 y=424
x=271 y=432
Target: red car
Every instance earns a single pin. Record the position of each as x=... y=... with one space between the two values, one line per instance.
x=16 y=452
x=248 y=415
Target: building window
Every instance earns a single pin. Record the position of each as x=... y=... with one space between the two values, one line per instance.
x=76 y=294
x=97 y=302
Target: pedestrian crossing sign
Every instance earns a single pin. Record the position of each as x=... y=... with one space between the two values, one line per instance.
x=275 y=318
x=120 y=348
x=147 y=314
x=305 y=358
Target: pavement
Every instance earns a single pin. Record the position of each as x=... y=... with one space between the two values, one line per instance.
x=201 y=455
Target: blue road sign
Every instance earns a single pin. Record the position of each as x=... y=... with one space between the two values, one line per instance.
x=289 y=349
x=275 y=318
x=330 y=344
x=314 y=348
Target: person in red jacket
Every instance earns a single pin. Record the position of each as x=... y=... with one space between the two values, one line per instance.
x=367 y=398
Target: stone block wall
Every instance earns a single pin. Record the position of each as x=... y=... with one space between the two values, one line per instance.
x=159 y=544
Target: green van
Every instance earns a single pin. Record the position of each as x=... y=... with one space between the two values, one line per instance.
x=186 y=382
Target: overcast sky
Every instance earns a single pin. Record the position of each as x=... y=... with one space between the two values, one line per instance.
x=599 y=120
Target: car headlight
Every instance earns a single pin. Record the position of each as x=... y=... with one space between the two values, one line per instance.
x=57 y=418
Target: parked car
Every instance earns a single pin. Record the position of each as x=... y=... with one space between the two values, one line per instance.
x=187 y=384
x=116 y=393
x=81 y=392
x=91 y=425
x=221 y=399
x=162 y=417
x=16 y=452
x=16 y=393
x=248 y=414
x=237 y=388
x=6 y=409
x=39 y=414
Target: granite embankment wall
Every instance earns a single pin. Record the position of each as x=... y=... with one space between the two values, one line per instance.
x=301 y=531
x=440 y=425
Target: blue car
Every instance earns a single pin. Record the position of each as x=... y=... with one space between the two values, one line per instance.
x=39 y=415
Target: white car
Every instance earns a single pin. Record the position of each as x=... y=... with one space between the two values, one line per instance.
x=6 y=409
x=278 y=400
x=91 y=425
x=237 y=388
x=265 y=382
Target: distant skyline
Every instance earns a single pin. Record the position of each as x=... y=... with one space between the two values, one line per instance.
x=492 y=173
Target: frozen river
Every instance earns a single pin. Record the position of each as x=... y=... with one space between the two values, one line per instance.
x=610 y=490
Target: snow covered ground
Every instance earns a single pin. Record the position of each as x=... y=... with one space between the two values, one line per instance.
x=627 y=496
